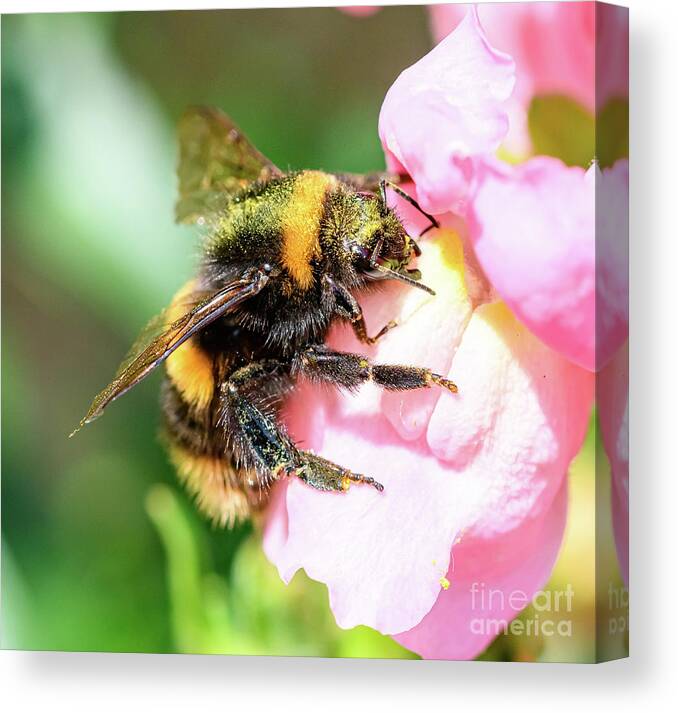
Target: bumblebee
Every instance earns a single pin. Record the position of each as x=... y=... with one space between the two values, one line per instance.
x=284 y=256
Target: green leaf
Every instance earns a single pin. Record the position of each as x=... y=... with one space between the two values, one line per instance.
x=612 y=132
x=561 y=127
x=184 y=572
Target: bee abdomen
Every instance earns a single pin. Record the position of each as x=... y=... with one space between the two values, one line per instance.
x=220 y=490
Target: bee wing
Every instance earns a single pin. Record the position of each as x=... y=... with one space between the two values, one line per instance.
x=151 y=349
x=215 y=161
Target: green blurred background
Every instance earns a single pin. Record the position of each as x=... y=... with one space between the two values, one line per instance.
x=101 y=550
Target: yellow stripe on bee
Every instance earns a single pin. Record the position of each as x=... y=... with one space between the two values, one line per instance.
x=213 y=483
x=189 y=367
x=301 y=225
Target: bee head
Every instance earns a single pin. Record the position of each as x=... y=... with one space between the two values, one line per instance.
x=383 y=249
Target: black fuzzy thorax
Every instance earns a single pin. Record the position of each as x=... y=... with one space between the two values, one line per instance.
x=250 y=234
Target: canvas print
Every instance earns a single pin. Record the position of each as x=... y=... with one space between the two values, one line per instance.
x=380 y=404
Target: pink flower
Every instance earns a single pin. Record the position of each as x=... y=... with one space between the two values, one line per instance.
x=488 y=597
x=554 y=48
x=612 y=258
x=475 y=482
x=552 y=43
x=612 y=315
x=444 y=111
x=533 y=230
x=533 y=226
x=478 y=476
x=613 y=412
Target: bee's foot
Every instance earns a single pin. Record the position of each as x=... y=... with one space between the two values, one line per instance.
x=322 y=474
x=445 y=383
x=386 y=328
x=350 y=477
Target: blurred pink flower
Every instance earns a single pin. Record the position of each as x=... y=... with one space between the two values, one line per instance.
x=612 y=260
x=553 y=242
x=475 y=482
x=552 y=43
x=444 y=111
x=612 y=395
x=612 y=314
x=533 y=230
x=532 y=226
x=612 y=53
x=554 y=48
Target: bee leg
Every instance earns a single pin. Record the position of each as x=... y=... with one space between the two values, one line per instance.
x=248 y=415
x=263 y=443
x=349 y=371
x=347 y=306
x=322 y=474
x=360 y=329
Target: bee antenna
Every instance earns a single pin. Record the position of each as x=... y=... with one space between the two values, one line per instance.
x=376 y=251
x=387 y=272
x=406 y=196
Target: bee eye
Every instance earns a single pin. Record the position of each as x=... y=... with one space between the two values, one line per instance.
x=360 y=253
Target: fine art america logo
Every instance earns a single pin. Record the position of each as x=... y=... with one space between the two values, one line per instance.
x=486 y=603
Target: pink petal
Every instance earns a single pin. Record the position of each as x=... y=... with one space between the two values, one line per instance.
x=519 y=418
x=533 y=228
x=277 y=526
x=491 y=581
x=554 y=48
x=612 y=260
x=503 y=27
x=612 y=53
x=613 y=413
x=382 y=555
x=552 y=43
x=437 y=321
x=443 y=111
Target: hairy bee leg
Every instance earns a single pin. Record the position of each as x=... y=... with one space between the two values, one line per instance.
x=247 y=414
x=266 y=375
x=347 y=306
x=322 y=474
x=360 y=329
x=270 y=449
x=262 y=439
x=351 y=370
